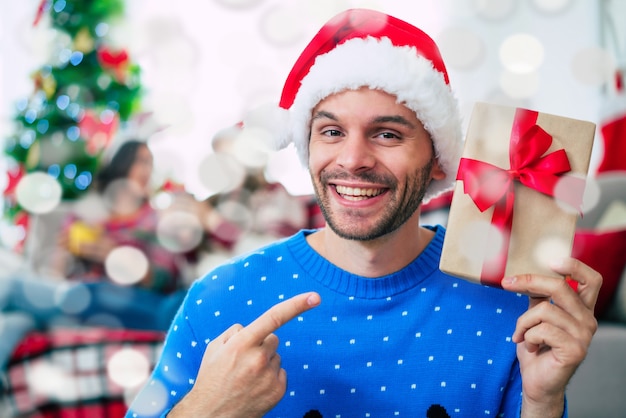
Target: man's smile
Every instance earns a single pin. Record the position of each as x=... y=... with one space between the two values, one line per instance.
x=357 y=193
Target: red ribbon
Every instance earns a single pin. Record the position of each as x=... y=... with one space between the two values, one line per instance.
x=489 y=185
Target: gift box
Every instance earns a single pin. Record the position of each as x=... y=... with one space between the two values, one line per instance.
x=518 y=193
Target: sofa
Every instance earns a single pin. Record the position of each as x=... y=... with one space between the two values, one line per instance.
x=76 y=372
x=90 y=372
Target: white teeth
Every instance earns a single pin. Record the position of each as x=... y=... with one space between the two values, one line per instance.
x=357 y=192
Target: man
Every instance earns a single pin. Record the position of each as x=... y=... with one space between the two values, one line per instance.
x=373 y=117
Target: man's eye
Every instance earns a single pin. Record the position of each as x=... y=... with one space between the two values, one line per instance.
x=388 y=135
x=332 y=132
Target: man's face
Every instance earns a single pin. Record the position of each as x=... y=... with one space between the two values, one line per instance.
x=371 y=161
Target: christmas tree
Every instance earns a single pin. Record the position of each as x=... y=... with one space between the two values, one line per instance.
x=80 y=100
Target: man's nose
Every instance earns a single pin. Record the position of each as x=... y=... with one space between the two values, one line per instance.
x=356 y=153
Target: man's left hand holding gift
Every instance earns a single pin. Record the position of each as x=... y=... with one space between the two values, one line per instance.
x=554 y=334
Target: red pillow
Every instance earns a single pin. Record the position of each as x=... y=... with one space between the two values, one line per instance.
x=605 y=252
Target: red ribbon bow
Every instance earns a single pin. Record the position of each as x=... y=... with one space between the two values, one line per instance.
x=489 y=185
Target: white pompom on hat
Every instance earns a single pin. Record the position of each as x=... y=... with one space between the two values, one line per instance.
x=365 y=48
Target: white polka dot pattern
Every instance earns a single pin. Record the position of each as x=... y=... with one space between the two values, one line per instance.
x=393 y=346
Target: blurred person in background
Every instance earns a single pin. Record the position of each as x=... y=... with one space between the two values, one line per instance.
x=118 y=214
x=112 y=268
x=256 y=211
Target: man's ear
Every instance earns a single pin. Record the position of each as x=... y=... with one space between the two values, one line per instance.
x=437 y=173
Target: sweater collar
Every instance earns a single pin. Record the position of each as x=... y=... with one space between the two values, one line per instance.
x=341 y=281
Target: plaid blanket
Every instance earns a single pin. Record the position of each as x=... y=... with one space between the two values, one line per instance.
x=78 y=373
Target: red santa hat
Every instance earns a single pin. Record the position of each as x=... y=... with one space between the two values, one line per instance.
x=359 y=48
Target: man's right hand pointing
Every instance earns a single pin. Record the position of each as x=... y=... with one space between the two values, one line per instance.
x=240 y=374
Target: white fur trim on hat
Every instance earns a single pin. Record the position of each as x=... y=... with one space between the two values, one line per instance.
x=397 y=70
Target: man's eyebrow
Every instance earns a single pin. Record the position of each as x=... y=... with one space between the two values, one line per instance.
x=380 y=119
x=323 y=114
x=394 y=119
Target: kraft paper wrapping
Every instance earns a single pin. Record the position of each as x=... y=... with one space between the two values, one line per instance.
x=542 y=226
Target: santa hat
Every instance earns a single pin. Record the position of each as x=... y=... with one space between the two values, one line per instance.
x=360 y=48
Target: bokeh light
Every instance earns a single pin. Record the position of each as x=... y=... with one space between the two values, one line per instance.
x=126 y=265
x=229 y=50
x=519 y=86
x=237 y=213
x=123 y=196
x=593 y=66
x=550 y=249
x=42 y=297
x=169 y=164
x=284 y=210
x=494 y=9
x=566 y=190
x=521 y=53
x=551 y=6
x=152 y=399
x=49 y=379
x=486 y=241
x=162 y=200
x=128 y=368
x=72 y=298
x=355 y=16
x=211 y=260
x=285 y=167
x=91 y=208
x=322 y=10
x=173 y=110
x=38 y=193
x=250 y=242
x=283 y=24
x=251 y=148
x=11 y=235
x=169 y=52
x=257 y=84
x=462 y=48
x=179 y=231
x=221 y=173
x=159 y=30
x=591 y=196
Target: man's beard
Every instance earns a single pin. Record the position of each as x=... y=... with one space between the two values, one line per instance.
x=395 y=214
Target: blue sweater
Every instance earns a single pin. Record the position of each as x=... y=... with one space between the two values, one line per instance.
x=415 y=343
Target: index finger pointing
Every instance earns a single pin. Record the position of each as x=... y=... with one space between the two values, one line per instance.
x=278 y=315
